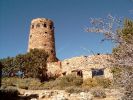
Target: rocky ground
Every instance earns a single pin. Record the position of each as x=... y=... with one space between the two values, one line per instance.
x=111 y=94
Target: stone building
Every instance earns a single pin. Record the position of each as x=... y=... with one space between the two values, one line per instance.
x=84 y=66
x=42 y=36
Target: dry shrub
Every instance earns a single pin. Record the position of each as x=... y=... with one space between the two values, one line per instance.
x=26 y=83
x=98 y=92
x=74 y=89
x=9 y=81
x=49 y=85
x=70 y=80
x=103 y=82
x=90 y=82
x=63 y=82
x=34 y=84
x=98 y=81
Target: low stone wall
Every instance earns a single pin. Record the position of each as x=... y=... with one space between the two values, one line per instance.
x=55 y=95
x=111 y=94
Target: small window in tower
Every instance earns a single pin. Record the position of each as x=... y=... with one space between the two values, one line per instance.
x=51 y=26
x=64 y=73
x=45 y=44
x=30 y=36
x=44 y=25
x=46 y=32
x=52 y=51
x=32 y=26
x=38 y=25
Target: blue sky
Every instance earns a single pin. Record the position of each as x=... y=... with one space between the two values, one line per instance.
x=71 y=17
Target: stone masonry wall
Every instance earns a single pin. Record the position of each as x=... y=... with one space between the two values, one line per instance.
x=84 y=64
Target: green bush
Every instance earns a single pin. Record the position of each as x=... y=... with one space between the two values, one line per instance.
x=98 y=92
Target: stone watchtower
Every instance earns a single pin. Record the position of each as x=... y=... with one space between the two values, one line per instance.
x=42 y=37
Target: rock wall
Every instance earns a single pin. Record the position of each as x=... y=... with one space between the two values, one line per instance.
x=54 y=68
x=85 y=64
